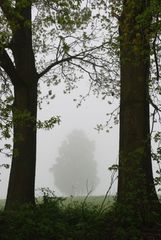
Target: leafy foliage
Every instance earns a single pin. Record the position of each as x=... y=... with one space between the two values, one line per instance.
x=51 y=219
x=68 y=45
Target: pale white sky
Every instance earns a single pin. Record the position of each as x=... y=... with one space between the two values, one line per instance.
x=86 y=117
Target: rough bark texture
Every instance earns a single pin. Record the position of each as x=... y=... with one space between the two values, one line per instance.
x=22 y=177
x=135 y=185
x=24 y=79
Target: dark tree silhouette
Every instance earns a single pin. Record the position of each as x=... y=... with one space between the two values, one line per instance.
x=135 y=181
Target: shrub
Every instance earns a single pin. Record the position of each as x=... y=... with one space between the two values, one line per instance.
x=51 y=219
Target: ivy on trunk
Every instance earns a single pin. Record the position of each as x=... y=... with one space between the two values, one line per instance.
x=135 y=181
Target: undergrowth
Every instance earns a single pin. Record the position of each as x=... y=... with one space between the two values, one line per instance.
x=53 y=220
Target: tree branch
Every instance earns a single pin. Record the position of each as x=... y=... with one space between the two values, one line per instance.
x=46 y=70
x=67 y=59
x=156 y=58
x=7 y=64
x=154 y=105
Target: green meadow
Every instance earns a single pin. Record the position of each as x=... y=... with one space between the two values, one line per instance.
x=94 y=200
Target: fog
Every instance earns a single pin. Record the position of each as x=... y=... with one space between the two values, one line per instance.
x=75 y=171
x=86 y=117
x=91 y=112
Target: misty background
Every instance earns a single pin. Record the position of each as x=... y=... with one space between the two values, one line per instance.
x=92 y=111
x=86 y=117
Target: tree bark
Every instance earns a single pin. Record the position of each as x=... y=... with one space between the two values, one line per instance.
x=135 y=182
x=22 y=176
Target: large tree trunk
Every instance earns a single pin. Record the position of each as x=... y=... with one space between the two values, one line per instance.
x=135 y=182
x=22 y=176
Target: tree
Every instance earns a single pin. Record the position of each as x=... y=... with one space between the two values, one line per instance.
x=75 y=170
x=38 y=37
x=135 y=180
x=135 y=40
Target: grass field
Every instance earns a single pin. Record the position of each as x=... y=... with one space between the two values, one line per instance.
x=95 y=200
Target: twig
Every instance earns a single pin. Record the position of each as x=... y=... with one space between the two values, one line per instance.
x=108 y=190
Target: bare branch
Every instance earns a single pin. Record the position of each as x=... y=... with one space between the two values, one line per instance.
x=156 y=59
x=154 y=105
x=67 y=59
x=153 y=121
x=113 y=179
x=46 y=70
x=58 y=50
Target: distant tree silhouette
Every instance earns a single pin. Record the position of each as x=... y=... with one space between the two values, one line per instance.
x=75 y=170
